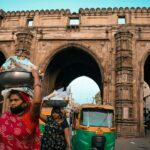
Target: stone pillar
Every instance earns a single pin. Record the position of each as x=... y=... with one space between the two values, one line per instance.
x=23 y=46
x=125 y=122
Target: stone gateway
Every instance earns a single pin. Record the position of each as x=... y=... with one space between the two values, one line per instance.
x=111 y=46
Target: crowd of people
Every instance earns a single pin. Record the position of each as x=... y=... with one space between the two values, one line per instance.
x=19 y=126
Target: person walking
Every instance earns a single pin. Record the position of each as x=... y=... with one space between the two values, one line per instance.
x=19 y=126
x=56 y=135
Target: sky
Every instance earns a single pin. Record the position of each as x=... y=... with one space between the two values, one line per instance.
x=82 y=93
x=73 y=5
x=83 y=89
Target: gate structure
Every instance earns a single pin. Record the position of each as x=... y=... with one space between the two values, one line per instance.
x=111 y=46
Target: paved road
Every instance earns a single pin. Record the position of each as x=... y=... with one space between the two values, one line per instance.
x=133 y=143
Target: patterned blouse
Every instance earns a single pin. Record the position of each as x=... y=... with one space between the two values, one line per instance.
x=53 y=137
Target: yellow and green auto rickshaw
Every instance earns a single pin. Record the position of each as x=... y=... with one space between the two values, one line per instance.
x=95 y=129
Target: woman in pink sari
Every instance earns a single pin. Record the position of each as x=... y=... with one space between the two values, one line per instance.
x=19 y=127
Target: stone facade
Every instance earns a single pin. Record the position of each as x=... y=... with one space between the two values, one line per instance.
x=115 y=55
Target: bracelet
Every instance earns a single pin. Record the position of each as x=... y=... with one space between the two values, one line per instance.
x=38 y=84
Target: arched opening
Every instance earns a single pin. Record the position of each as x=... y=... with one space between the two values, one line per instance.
x=68 y=64
x=85 y=92
x=2 y=60
x=146 y=96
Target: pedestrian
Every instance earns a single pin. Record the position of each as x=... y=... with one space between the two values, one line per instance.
x=19 y=126
x=56 y=135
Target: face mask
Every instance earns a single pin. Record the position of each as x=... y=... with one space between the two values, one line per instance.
x=18 y=109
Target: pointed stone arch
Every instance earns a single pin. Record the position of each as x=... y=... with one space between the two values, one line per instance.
x=144 y=78
x=48 y=58
x=145 y=60
x=76 y=60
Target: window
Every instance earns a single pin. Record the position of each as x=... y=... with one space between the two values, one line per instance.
x=29 y=22
x=97 y=117
x=74 y=21
x=121 y=20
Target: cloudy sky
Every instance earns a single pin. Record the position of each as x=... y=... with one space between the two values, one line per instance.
x=82 y=93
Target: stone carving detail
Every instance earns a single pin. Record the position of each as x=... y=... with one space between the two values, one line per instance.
x=110 y=10
x=124 y=77
x=23 y=46
x=36 y=12
x=86 y=11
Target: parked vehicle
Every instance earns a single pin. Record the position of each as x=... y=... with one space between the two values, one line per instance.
x=95 y=129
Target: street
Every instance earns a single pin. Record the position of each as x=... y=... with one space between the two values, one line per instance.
x=133 y=143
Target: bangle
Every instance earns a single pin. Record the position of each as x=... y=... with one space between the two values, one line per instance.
x=38 y=84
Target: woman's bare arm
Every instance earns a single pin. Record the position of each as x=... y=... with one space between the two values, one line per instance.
x=43 y=117
x=67 y=137
x=37 y=98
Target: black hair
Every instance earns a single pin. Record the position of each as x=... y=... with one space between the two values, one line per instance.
x=58 y=111
x=16 y=93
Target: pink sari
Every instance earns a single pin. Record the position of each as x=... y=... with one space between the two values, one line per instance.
x=19 y=133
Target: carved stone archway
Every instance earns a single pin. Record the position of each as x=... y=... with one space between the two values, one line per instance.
x=68 y=63
x=115 y=52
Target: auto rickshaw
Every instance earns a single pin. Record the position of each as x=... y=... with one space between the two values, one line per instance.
x=95 y=129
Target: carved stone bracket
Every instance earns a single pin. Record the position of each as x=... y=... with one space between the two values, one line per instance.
x=24 y=41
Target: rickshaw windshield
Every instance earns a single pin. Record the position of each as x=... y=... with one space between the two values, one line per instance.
x=96 y=117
